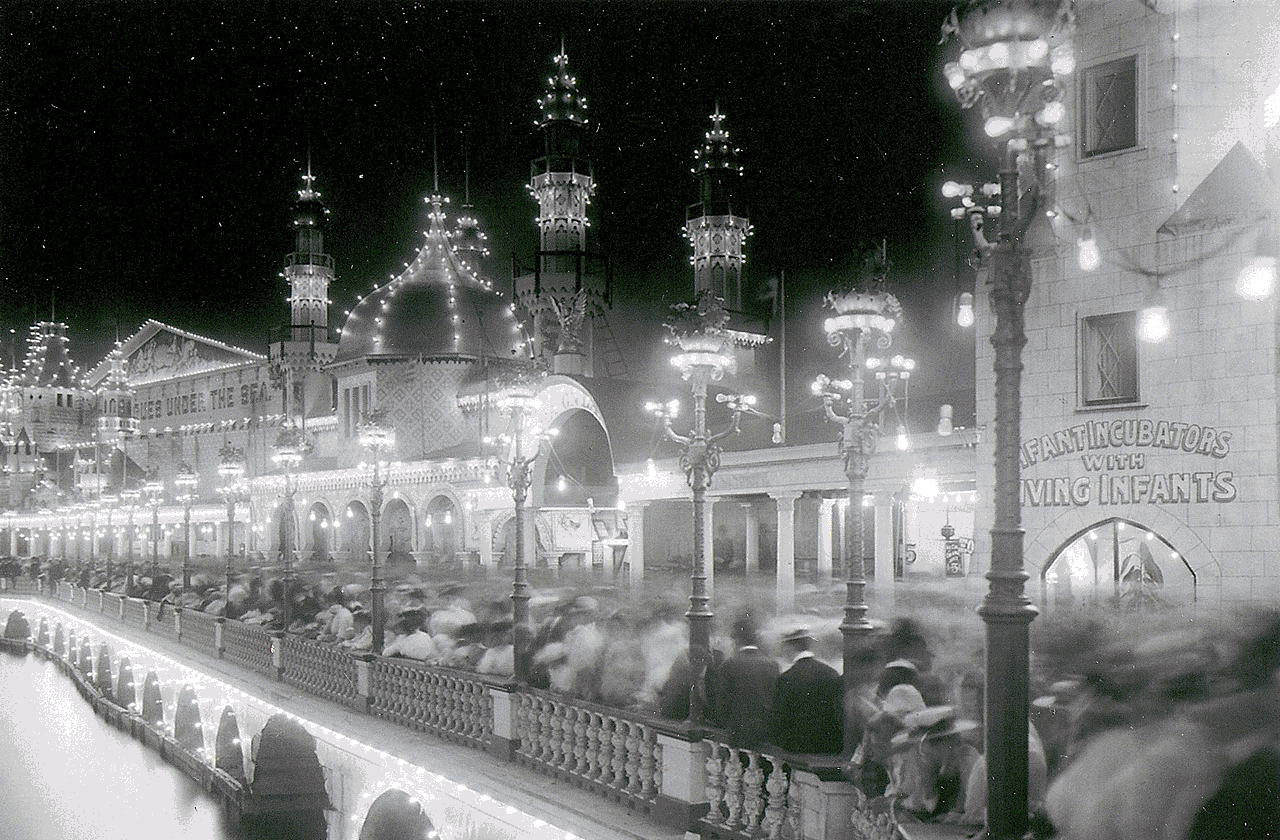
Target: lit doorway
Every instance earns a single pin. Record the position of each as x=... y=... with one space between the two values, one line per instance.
x=1120 y=562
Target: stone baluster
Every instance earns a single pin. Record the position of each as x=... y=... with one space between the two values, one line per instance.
x=604 y=774
x=715 y=783
x=753 y=793
x=634 y=784
x=546 y=738
x=648 y=766
x=733 y=772
x=619 y=781
x=595 y=722
x=778 y=790
x=580 y=720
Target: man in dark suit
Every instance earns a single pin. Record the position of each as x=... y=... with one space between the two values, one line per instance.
x=808 y=704
x=744 y=686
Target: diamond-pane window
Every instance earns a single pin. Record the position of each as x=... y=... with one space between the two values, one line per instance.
x=1109 y=112
x=1109 y=359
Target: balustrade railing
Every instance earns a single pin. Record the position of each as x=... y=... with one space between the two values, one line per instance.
x=248 y=645
x=321 y=670
x=750 y=794
x=452 y=704
x=603 y=747
x=198 y=630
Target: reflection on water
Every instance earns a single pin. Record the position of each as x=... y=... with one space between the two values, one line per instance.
x=66 y=774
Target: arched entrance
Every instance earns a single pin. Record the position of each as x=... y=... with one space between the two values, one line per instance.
x=440 y=530
x=228 y=755
x=395 y=815
x=187 y=730
x=287 y=795
x=355 y=532
x=579 y=463
x=397 y=532
x=318 y=526
x=1118 y=561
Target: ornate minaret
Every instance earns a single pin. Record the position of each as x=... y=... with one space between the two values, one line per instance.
x=301 y=349
x=567 y=288
x=116 y=421
x=716 y=233
x=469 y=242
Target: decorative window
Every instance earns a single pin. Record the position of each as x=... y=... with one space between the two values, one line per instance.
x=1109 y=359
x=1109 y=107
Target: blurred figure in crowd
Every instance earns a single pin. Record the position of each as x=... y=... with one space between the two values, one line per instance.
x=808 y=700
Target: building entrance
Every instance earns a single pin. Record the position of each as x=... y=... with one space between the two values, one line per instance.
x=1121 y=562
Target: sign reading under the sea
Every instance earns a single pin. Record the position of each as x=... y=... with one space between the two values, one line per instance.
x=1122 y=477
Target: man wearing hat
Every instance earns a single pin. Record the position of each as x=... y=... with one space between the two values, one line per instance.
x=808 y=701
x=932 y=762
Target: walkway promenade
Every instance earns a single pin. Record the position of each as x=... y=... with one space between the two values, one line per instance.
x=557 y=801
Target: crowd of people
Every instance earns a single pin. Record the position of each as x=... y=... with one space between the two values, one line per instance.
x=1132 y=733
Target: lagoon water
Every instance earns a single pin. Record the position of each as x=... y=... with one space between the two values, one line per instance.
x=66 y=774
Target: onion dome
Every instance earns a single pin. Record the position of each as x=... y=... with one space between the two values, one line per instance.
x=562 y=102
x=437 y=308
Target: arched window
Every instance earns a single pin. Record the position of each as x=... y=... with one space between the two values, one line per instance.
x=1120 y=561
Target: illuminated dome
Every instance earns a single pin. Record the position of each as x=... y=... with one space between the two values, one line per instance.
x=437 y=308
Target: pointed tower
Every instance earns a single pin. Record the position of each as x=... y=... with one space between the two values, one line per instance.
x=717 y=235
x=304 y=346
x=116 y=420
x=469 y=242
x=568 y=289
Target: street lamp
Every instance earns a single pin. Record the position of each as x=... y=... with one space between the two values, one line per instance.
x=290 y=447
x=186 y=482
x=518 y=451
x=378 y=437
x=107 y=502
x=231 y=470
x=706 y=355
x=129 y=501
x=862 y=318
x=1015 y=57
x=153 y=488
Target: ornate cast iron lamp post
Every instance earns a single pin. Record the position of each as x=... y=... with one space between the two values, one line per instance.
x=862 y=318
x=185 y=482
x=288 y=451
x=706 y=355
x=379 y=438
x=519 y=450
x=107 y=503
x=129 y=500
x=231 y=470
x=154 y=491
x=1015 y=55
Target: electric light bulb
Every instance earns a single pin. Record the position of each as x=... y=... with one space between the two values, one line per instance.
x=1153 y=323
x=964 y=310
x=902 y=442
x=1087 y=254
x=1257 y=278
x=997 y=126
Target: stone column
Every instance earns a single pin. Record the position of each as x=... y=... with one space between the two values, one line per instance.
x=785 y=583
x=825 y=507
x=751 y=549
x=635 y=533
x=484 y=526
x=885 y=584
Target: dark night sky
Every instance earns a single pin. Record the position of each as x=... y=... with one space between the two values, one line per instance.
x=149 y=152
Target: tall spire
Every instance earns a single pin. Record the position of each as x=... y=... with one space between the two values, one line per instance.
x=714 y=231
x=469 y=242
x=309 y=270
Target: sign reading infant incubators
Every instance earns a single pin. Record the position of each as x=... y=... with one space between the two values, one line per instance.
x=1123 y=461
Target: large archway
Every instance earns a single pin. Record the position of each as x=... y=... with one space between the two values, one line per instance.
x=396 y=815
x=1119 y=561
x=355 y=532
x=579 y=463
x=397 y=532
x=318 y=528
x=440 y=530
x=228 y=753
x=287 y=794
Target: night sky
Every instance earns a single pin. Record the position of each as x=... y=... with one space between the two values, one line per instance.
x=149 y=152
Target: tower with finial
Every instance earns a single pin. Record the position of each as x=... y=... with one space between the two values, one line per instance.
x=300 y=350
x=568 y=289
x=469 y=242
x=717 y=234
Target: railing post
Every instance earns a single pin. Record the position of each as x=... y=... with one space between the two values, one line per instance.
x=683 y=797
x=219 y=636
x=364 y=686
x=823 y=809
x=177 y=621
x=120 y=608
x=277 y=652
x=146 y=615
x=506 y=735
x=102 y=602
